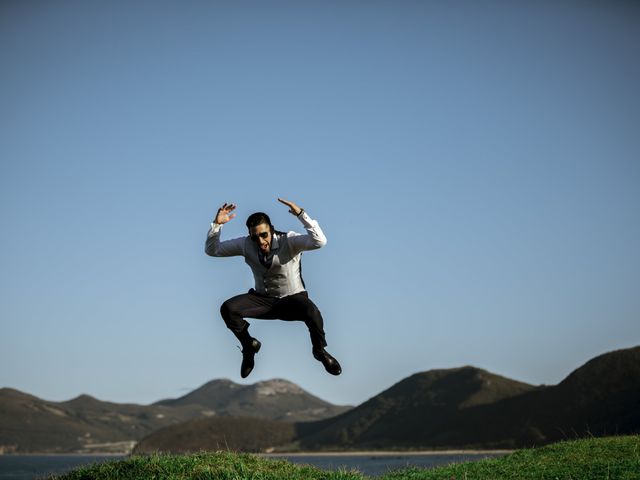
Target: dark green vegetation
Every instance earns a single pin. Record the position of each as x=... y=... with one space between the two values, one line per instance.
x=219 y=433
x=454 y=408
x=203 y=466
x=587 y=459
x=84 y=424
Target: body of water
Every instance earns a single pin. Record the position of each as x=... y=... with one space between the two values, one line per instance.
x=32 y=467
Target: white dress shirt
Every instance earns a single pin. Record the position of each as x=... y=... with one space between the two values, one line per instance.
x=282 y=277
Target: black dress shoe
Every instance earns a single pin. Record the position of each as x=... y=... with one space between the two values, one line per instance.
x=248 y=352
x=331 y=365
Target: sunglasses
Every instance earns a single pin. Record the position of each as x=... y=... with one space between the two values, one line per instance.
x=255 y=236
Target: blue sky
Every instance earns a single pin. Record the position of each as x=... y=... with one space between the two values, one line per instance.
x=474 y=166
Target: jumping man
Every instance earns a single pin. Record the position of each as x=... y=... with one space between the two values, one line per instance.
x=279 y=293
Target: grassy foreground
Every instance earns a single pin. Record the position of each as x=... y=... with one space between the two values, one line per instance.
x=589 y=459
x=595 y=458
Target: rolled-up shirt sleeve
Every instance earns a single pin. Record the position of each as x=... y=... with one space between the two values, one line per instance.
x=228 y=248
x=313 y=239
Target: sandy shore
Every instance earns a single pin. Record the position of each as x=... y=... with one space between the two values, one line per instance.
x=361 y=453
x=383 y=453
x=64 y=454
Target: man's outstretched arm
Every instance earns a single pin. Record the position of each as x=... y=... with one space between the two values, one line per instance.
x=229 y=248
x=314 y=238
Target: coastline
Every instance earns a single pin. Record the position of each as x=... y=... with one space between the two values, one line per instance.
x=355 y=453
x=63 y=454
x=386 y=453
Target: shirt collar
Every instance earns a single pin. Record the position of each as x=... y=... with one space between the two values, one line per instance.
x=274 y=242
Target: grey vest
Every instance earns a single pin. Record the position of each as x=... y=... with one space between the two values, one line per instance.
x=284 y=277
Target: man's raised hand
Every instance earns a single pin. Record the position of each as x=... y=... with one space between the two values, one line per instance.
x=293 y=208
x=223 y=213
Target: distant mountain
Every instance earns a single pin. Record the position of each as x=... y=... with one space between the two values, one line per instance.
x=426 y=398
x=86 y=424
x=600 y=398
x=417 y=408
x=83 y=424
x=471 y=408
x=462 y=407
x=275 y=399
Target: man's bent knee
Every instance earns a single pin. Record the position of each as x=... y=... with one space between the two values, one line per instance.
x=311 y=311
x=231 y=316
x=225 y=310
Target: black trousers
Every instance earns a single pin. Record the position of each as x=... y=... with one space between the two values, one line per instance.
x=256 y=305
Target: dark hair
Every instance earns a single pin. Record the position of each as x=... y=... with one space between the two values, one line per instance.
x=258 y=218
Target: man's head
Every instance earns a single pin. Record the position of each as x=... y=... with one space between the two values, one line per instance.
x=260 y=230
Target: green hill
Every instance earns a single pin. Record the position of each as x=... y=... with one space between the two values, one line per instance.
x=247 y=434
x=587 y=459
